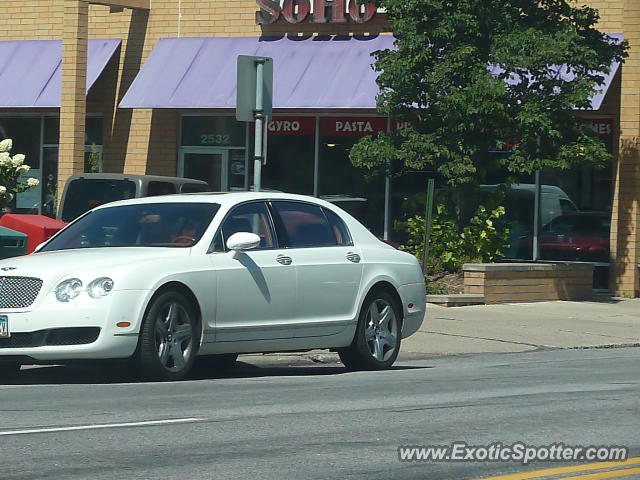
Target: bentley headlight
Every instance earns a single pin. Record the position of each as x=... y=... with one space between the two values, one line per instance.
x=100 y=287
x=68 y=290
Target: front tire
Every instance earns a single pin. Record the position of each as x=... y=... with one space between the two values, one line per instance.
x=168 y=338
x=378 y=335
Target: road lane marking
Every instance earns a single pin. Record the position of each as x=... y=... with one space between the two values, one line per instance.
x=586 y=467
x=101 y=426
x=602 y=475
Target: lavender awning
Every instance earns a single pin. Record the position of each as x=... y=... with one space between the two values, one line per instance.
x=309 y=73
x=564 y=74
x=31 y=70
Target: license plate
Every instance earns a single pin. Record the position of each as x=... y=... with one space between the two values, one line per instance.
x=4 y=327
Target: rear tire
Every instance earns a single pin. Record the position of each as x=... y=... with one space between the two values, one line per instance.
x=377 y=340
x=169 y=338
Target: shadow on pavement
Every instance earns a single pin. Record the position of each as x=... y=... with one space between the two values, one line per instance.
x=119 y=373
x=606 y=298
x=249 y=370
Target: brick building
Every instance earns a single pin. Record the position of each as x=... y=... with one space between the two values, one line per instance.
x=147 y=109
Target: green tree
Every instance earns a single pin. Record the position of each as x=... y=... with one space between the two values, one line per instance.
x=476 y=74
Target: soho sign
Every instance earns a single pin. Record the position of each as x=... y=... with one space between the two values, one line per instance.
x=324 y=11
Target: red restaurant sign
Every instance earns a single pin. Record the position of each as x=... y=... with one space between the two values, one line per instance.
x=352 y=126
x=324 y=11
x=287 y=126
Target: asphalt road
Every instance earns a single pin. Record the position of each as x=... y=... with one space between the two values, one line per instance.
x=273 y=421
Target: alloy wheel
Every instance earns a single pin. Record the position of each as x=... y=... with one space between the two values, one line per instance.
x=381 y=330
x=174 y=336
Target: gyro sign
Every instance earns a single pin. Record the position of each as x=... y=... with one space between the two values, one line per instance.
x=323 y=11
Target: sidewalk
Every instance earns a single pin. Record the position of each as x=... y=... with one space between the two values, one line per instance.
x=526 y=326
x=506 y=328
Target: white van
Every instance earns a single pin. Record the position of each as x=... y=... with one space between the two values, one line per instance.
x=520 y=196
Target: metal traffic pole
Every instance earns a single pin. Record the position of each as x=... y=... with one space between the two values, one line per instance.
x=536 y=209
x=536 y=217
x=259 y=124
x=427 y=226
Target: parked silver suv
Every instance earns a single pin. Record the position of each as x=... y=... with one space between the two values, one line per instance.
x=85 y=191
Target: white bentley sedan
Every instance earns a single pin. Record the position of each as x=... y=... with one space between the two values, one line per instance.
x=161 y=280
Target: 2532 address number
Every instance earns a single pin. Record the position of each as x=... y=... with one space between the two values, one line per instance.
x=215 y=139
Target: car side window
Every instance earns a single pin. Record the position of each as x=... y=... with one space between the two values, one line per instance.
x=593 y=226
x=306 y=225
x=566 y=206
x=193 y=188
x=160 y=188
x=340 y=230
x=250 y=217
x=563 y=225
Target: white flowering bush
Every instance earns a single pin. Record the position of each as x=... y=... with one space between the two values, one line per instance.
x=11 y=171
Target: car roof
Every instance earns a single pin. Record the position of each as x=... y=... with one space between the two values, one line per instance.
x=222 y=198
x=134 y=176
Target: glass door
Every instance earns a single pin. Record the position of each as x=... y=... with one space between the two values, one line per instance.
x=208 y=164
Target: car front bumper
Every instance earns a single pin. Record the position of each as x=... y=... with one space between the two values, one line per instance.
x=83 y=328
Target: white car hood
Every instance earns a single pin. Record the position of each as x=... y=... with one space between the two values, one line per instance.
x=51 y=266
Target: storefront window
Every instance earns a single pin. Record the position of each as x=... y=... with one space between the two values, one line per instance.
x=51 y=134
x=31 y=135
x=408 y=195
x=25 y=133
x=408 y=200
x=49 y=180
x=458 y=205
x=93 y=131
x=93 y=159
x=93 y=145
x=339 y=181
x=290 y=154
x=575 y=210
x=574 y=227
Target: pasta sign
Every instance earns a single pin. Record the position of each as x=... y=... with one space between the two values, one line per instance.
x=324 y=11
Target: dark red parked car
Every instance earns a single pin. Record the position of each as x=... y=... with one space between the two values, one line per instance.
x=577 y=236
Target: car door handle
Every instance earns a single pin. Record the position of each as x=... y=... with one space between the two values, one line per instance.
x=353 y=257
x=284 y=260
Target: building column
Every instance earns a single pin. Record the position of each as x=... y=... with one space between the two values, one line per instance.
x=625 y=237
x=73 y=109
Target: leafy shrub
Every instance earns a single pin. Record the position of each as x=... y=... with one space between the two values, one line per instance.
x=436 y=289
x=484 y=239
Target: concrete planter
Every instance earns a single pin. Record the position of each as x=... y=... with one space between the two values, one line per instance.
x=529 y=282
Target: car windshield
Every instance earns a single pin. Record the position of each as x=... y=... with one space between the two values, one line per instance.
x=140 y=225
